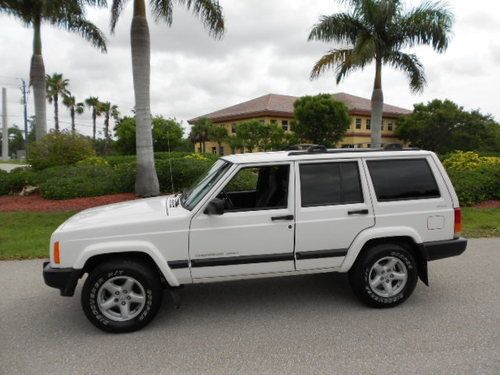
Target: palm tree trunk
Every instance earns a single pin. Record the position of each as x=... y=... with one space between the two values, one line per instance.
x=106 y=126
x=37 y=79
x=72 y=112
x=377 y=106
x=146 y=182
x=56 y=112
x=94 y=116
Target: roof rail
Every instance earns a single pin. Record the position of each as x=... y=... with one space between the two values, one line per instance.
x=320 y=149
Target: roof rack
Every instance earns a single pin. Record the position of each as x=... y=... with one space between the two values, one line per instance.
x=321 y=149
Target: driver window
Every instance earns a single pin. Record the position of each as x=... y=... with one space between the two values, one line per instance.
x=257 y=188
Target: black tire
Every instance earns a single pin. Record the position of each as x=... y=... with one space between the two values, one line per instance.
x=361 y=273
x=144 y=275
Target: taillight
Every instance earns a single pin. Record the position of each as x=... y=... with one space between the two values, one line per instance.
x=57 y=255
x=458 y=222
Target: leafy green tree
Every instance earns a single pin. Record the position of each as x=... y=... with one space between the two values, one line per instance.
x=95 y=106
x=200 y=132
x=68 y=15
x=210 y=14
x=167 y=135
x=57 y=86
x=251 y=133
x=218 y=134
x=443 y=126
x=320 y=119
x=380 y=31
x=74 y=107
x=235 y=143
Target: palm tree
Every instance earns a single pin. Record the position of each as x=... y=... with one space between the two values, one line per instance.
x=68 y=15
x=56 y=86
x=95 y=105
x=378 y=31
x=201 y=132
x=210 y=13
x=74 y=107
x=110 y=111
x=218 y=134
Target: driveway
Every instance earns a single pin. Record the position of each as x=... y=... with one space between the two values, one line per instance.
x=10 y=166
x=304 y=324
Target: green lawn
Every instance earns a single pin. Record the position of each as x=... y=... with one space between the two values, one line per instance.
x=26 y=235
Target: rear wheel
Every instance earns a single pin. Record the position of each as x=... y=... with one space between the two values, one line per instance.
x=384 y=276
x=121 y=296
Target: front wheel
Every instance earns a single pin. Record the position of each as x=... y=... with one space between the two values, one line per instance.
x=384 y=276
x=121 y=296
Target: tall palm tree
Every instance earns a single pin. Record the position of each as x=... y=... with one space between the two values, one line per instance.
x=95 y=106
x=56 y=86
x=109 y=111
x=210 y=14
x=378 y=31
x=68 y=15
x=74 y=107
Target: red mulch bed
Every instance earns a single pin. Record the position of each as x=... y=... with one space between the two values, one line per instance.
x=488 y=204
x=39 y=204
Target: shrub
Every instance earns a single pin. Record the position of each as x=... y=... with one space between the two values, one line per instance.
x=184 y=173
x=78 y=181
x=20 y=177
x=476 y=185
x=59 y=149
x=469 y=160
x=4 y=183
x=93 y=161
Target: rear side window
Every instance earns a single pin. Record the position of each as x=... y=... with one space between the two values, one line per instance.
x=402 y=179
x=323 y=184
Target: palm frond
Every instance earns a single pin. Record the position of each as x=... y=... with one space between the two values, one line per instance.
x=87 y=30
x=210 y=14
x=116 y=9
x=342 y=27
x=331 y=60
x=411 y=65
x=429 y=24
x=162 y=10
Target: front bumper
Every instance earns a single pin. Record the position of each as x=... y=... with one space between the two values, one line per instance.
x=445 y=249
x=64 y=279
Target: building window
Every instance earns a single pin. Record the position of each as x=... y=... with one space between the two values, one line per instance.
x=221 y=150
x=389 y=126
x=273 y=121
x=233 y=128
x=358 y=123
x=214 y=150
x=368 y=145
x=262 y=121
x=368 y=124
x=284 y=125
x=382 y=125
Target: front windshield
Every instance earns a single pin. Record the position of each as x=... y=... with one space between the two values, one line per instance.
x=200 y=188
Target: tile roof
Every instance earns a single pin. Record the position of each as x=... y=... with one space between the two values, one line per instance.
x=282 y=105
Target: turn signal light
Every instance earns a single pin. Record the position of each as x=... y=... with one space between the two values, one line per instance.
x=57 y=255
x=458 y=222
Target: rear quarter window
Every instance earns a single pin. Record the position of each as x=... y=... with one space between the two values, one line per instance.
x=402 y=179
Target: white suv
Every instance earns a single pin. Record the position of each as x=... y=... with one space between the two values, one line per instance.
x=378 y=215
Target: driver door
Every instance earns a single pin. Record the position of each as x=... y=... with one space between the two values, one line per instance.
x=255 y=234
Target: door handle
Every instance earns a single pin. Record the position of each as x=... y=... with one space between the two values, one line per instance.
x=358 y=212
x=284 y=217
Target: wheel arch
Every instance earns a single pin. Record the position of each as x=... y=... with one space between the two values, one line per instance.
x=145 y=252
x=408 y=239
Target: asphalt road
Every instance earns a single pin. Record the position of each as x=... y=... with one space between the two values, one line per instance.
x=305 y=324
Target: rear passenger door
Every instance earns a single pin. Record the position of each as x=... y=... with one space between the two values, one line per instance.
x=332 y=207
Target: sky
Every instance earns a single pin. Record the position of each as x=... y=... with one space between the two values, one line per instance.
x=264 y=50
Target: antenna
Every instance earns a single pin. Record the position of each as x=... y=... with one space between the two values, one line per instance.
x=170 y=162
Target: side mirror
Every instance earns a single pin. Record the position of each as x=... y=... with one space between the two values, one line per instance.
x=215 y=207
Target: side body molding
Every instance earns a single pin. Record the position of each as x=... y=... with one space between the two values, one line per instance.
x=128 y=246
x=374 y=233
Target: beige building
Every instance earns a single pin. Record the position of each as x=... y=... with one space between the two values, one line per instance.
x=278 y=109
